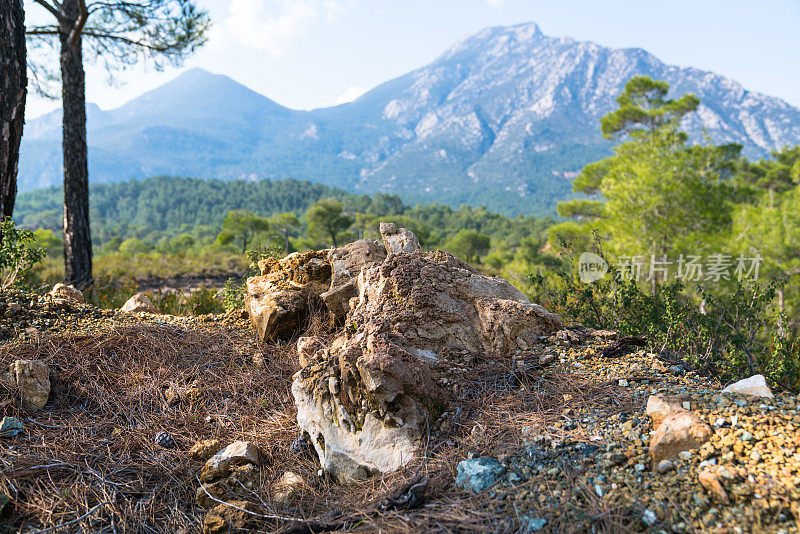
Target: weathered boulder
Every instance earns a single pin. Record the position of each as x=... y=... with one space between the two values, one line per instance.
x=283 y=298
x=30 y=382
x=347 y=261
x=66 y=292
x=680 y=431
x=755 y=386
x=400 y=241
x=139 y=303
x=366 y=401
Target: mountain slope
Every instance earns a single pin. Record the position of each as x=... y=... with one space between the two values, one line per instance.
x=506 y=117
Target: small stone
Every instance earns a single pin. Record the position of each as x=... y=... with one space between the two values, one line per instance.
x=259 y=361
x=288 y=487
x=10 y=427
x=32 y=378
x=661 y=406
x=237 y=453
x=639 y=467
x=233 y=516
x=66 y=292
x=623 y=383
x=746 y=436
x=678 y=432
x=478 y=474
x=139 y=303
x=649 y=518
x=205 y=449
x=665 y=466
x=755 y=386
x=711 y=483
x=547 y=359
x=532 y=524
x=206 y=493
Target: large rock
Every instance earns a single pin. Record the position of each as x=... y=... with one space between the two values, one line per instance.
x=347 y=261
x=31 y=383
x=680 y=431
x=139 y=303
x=66 y=292
x=281 y=300
x=755 y=386
x=289 y=290
x=400 y=241
x=366 y=400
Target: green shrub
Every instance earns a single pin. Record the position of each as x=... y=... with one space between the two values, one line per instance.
x=728 y=333
x=111 y=293
x=200 y=301
x=232 y=295
x=17 y=253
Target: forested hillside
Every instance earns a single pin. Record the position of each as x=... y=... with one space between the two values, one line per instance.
x=505 y=118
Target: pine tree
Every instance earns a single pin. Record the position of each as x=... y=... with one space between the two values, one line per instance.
x=117 y=33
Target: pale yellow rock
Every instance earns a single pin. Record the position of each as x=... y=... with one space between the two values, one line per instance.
x=288 y=487
x=237 y=453
x=659 y=407
x=32 y=378
x=680 y=431
x=755 y=386
x=139 y=303
x=66 y=292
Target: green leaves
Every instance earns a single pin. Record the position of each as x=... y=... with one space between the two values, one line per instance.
x=17 y=253
x=643 y=110
x=326 y=219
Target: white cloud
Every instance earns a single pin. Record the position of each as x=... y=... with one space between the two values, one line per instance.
x=273 y=25
x=350 y=94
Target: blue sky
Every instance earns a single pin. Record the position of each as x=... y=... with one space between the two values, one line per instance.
x=313 y=53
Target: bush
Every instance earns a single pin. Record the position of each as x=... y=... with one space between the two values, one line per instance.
x=729 y=334
x=200 y=301
x=109 y=293
x=17 y=253
x=232 y=295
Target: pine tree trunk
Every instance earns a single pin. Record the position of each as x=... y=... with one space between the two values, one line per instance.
x=77 y=234
x=13 y=91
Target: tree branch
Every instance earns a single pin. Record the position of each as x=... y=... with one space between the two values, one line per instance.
x=42 y=30
x=52 y=9
x=75 y=34
x=120 y=38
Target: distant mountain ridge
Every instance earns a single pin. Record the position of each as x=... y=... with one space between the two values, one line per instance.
x=506 y=117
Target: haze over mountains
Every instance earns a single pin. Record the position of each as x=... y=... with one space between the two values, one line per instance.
x=504 y=118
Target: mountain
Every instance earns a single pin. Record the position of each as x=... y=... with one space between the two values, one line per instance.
x=505 y=118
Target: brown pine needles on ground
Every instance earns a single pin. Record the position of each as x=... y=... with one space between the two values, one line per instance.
x=88 y=461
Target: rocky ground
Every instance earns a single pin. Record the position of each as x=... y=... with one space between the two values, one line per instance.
x=175 y=424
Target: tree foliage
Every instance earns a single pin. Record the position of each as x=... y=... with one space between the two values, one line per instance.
x=326 y=218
